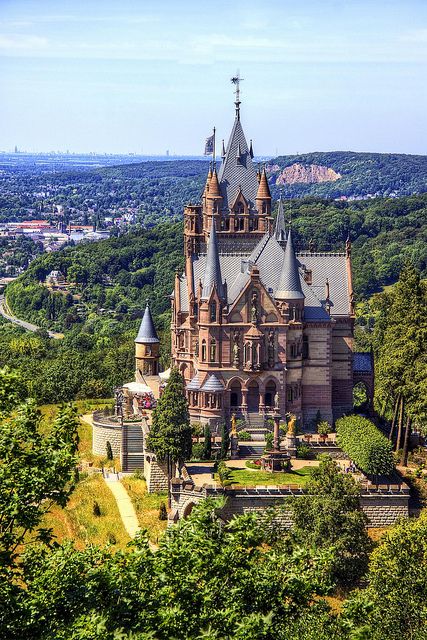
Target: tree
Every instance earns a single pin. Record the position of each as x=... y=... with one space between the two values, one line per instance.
x=170 y=432
x=330 y=517
x=207 y=445
x=36 y=471
x=12 y=390
x=394 y=604
x=225 y=441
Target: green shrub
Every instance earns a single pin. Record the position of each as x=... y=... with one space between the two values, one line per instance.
x=253 y=464
x=207 y=445
x=109 y=450
x=304 y=451
x=163 y=514
x=268 y=441
x=223 y=473
x=198 y=450
x=365 y=445
x=245 y=436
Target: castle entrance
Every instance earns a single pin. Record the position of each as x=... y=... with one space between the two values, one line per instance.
x=270 y=393
x=235 y=395
x=253 y=396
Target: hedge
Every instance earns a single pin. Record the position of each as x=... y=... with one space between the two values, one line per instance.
x=367 y=447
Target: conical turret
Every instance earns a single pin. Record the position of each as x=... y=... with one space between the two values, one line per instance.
x=212 y=275
x=280 y=228
x=263 y=189
x=214 y=185
x=147 y=332
x=289 y=287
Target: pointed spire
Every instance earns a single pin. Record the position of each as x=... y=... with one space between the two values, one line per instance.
x=251 y=151
x=212 y=275
x=280 y=228
x=147 y=332
x=289 y=287
x=214 y=185
x=223 y=151
x=263 y=189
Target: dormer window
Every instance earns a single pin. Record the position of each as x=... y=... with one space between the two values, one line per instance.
x=240 y=209
x=308 y=276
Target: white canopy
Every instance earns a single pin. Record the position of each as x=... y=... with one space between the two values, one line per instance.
x=137 y=387
x=164 y=375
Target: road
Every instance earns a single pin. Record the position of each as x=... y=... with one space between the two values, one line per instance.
x=8 y=315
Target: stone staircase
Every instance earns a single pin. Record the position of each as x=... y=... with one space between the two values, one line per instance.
x=256 y=425
x=250 y=450
x=133 y=456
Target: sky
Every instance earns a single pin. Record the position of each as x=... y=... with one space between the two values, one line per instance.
x=146 y=76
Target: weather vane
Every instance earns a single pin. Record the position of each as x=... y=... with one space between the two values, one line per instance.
x=236 y=80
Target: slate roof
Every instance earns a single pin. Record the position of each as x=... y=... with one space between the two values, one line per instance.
x=212 y=384
x=362 y=362
x=212 y=275
x=194 y=384
x=237 y=170
x=280 y=226
x=268 y=255
x=147 y=331
x=289 y=287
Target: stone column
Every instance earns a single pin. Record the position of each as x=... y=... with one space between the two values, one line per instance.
x=276 y=432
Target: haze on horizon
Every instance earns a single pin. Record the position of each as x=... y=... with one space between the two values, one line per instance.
x=140 y=77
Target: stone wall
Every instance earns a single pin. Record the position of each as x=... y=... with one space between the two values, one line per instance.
x=103 y=433
x=383 y=504
x=155 y=474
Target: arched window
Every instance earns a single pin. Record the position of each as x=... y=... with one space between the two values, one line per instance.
x=213 y=350
x=264 y=207
x=254 y=354
x=212 y=311
x=203 y=350
x=240 y=208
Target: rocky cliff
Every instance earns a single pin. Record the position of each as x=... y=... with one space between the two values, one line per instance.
x=309 y=174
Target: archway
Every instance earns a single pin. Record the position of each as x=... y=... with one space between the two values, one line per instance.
x=188 y=509
x=253 y=396
x=361 y=397
x=270 y=392
x=235 y=394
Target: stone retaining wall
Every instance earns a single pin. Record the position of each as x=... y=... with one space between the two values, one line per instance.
x=155 y=474
x=383 y=506
x=103 y=433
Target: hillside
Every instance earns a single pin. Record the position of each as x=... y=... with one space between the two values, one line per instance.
x=157 y=191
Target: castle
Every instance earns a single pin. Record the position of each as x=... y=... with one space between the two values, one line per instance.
x=257 y=326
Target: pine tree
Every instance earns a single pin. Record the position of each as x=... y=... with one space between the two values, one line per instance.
x=225 y=441
x=207 y=446
x=170 y=433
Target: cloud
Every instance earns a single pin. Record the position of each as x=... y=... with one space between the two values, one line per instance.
x=19 y=43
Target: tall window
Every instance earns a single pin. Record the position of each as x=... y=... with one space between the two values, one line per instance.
x=240 y=208
x=305 y=351
x=213 y=350
x=212 y=313
x=264 y=207
x=203 y=350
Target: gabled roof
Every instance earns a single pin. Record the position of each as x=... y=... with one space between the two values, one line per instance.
x=280 y=227
x=234 y=174
x=147 y=331
x=289 y=287
x=212 y=276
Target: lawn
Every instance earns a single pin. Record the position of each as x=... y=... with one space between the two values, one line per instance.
x=77 y=521
x=146 y=506
x=251 y=477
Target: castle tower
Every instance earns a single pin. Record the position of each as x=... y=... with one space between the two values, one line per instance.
x=147 y=345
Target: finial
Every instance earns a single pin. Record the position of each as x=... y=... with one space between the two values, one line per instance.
x=236 y=80
x=223 y=150
x=348 y=246
x=251 y=151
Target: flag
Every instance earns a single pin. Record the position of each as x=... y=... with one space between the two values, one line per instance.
x=209 y=145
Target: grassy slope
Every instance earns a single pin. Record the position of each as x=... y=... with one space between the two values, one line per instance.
x=146 y=506
x=77 y=521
